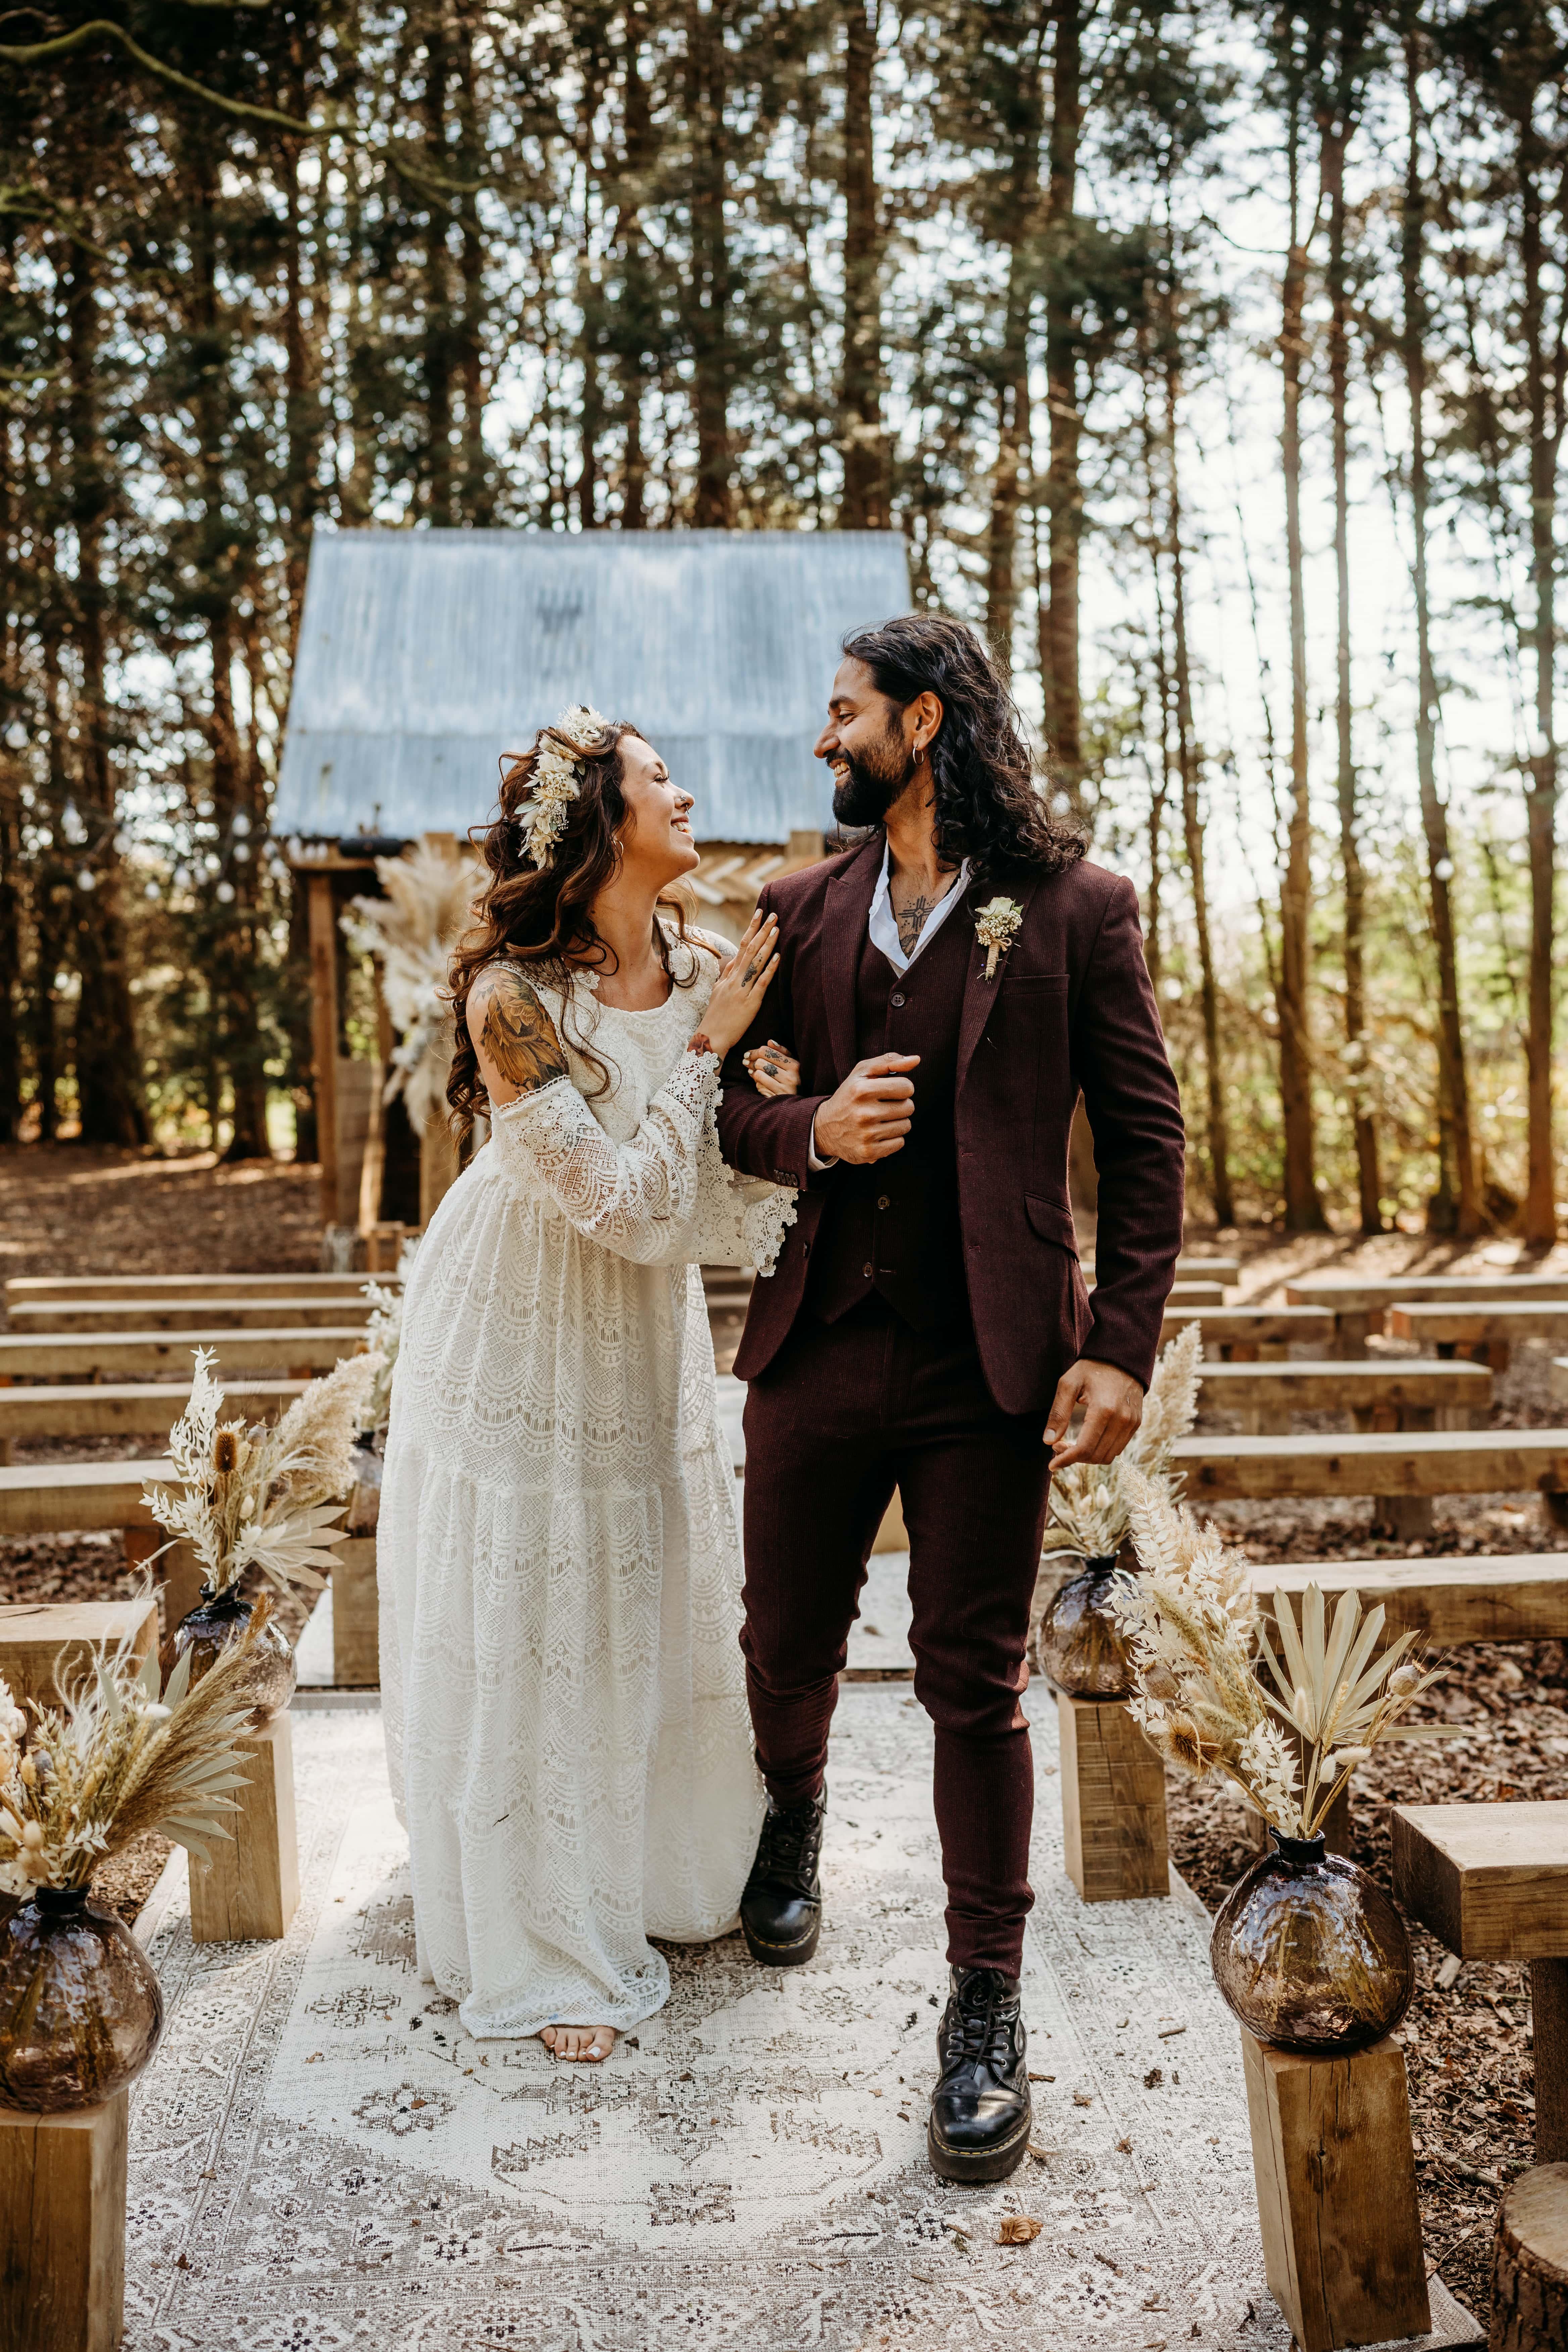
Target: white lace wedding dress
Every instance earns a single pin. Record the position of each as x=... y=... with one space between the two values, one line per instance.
x=558 y=1545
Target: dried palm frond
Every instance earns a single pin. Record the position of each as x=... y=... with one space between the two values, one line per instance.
x=383 y=1333
x=258 y=1498
x=1090 y=1501
x=429 y=892
x=1194 y=1643
x=120 y=1756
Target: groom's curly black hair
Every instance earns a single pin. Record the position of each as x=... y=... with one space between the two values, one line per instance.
x=990 y=805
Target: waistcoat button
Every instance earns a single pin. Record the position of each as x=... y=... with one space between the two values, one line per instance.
x=884 y=1201
x=898 y=1000
x=867 y=1272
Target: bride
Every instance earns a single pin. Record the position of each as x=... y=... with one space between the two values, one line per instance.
x=558 y=1547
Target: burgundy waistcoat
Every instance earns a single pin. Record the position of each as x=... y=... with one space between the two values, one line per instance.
x=893 y=1225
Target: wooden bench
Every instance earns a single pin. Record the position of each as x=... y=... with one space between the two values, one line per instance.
x=133 y=1409
x=1197 y=1294
x=45 y=1645
x=1188 y=1269
x=1491 y=1883
x=1516 y=1597
x=1488 y=1329
x=186 y=1315
x=93 y=1498
x=1401 y=1470
x=301 y=1351
x=1360 y=1307
x=22 y=1288
x=1379 y=1393
x=1250 y=1334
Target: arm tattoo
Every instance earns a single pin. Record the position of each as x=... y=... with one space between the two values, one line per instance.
x=911 y=922
x=519 y=1036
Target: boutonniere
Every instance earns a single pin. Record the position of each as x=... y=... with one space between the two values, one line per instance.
x=996 y=928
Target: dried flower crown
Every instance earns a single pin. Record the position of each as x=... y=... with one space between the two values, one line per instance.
x=556 y=780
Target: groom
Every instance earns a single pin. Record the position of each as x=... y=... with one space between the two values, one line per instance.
x=948 y=988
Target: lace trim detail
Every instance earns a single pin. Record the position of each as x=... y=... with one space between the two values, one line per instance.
x=634 y=1198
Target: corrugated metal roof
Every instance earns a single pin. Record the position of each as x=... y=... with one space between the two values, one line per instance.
x=426 y=654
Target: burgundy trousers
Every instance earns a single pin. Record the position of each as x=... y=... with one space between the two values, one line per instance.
x=844 y=1414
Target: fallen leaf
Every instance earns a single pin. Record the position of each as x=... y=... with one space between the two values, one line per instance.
x=1018 y=2229
x=1041 y=2155
x=1083 y=2098
x=1153 y=2078
x=1040 y=2078
x=1124 y=2147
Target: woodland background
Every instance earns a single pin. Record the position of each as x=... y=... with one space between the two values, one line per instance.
x=1211 y=359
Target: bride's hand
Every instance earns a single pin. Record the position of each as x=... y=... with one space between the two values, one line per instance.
x=772 y=1071
x=742 y=985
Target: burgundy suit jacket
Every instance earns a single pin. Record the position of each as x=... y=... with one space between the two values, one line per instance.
x=1071 y=1008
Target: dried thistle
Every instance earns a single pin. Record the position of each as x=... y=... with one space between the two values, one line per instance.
x=1090 y=1501
x=263 y=1498
x=121 y=1755
x=1195 y=1646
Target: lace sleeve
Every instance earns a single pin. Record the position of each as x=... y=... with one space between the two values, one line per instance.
x=637 y=1199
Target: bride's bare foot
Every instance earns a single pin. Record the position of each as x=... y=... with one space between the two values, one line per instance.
x=593 y=2042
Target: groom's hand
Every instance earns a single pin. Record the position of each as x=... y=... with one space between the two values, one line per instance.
x=869 y=1116
x=1112 y=1405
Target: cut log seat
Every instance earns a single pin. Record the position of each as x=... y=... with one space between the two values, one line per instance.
x=38 y=1288
x=133 y=1409
x=47 y=1644
x=1517 y=1597
x=184 y=1314
x=1246 y=1332
x=52 y=1356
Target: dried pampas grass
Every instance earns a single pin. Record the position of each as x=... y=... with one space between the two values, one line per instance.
x=430 y=891
x=1195 y=1645
x=265 y=1497
x=123 y=1757
x=383 y=1333
x=1090 y=1501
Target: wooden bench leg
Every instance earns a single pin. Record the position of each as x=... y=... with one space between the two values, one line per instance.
x=62 y=2229
x=356 y=1616
x=1113 y=1803
x=1350 y=1336
x=1549 y=2008
x=1266 y=1421
x=250 y=1890
x=1336 y=2193
x=1556 y=1509
x=1404 y=1517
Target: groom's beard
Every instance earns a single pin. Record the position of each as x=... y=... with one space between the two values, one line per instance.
x=871 y=785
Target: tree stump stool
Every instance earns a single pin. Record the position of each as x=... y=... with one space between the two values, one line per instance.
x=1113 y=1803
x=250 y=1890
x=356 y=1616
x=62 y=2229
x=1529 y=2264
x=1336 y=2193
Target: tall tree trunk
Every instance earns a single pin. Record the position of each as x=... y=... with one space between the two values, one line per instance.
x=438 y=340
x=1064 y=495
x=1539 y=1216
x=711 y=289
x=1303 y=1209
x=107 y=1068
x=1188 y=766
x=634 y=315
x=1012 y=438
x=1456 y=1140
x=1369 y=1187
x=866 y=504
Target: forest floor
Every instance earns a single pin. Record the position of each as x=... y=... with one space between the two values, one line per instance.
x=72 y=1209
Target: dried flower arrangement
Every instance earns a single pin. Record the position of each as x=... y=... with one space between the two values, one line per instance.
x=1193 y=1634
x=384 y=1334
x=264 y=1497
x=429 y=893
x=1090 y=1501
x=120 y=1757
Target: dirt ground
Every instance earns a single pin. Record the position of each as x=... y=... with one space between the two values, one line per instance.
x=64 y=1209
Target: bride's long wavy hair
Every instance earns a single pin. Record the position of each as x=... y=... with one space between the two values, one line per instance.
x=543 y=916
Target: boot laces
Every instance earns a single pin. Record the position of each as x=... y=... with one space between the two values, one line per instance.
x=974 y=2032
x=792 y=1840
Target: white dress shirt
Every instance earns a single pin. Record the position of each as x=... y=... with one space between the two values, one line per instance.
x=884 y=934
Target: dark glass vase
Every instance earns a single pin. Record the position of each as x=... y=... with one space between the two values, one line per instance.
x=364 y=1494
x=81 y=2009
x=220 y=1619
x=1310 y=1952
x=1080 y=1645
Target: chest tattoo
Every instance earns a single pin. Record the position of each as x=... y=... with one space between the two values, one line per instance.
x=911 y=922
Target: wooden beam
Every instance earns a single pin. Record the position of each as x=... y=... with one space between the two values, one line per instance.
x=1113 y=1803
x=1521 y=1596
x=46 y=1645
x=154 y=1315
x=250 y=1891
x=53 y=1354
x=1495 y=1320
x=62 y=2229
x=1436 y=1461
x=1346 y=1294
x=1329 y=1385
x=38 y=1287
x=1230 y=1326
x=323 y=936
x=1490 y=1880
x=60 y=1497
x=1197 y=1294
x=356 y=1628
x=134 y=1409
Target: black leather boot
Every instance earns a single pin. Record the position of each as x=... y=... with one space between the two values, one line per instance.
x=780 y=1910
x=980 y=2113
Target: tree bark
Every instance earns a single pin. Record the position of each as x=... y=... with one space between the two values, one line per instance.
x=1303 y=1209
x=1064 y=495
x=711 y=289
x=1539 y=1213
x=866 y=504
x=1336 y=137
x=437 y=354
x=1457 y=1144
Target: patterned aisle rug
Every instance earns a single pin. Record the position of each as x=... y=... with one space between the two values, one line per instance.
x=321 y=2158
